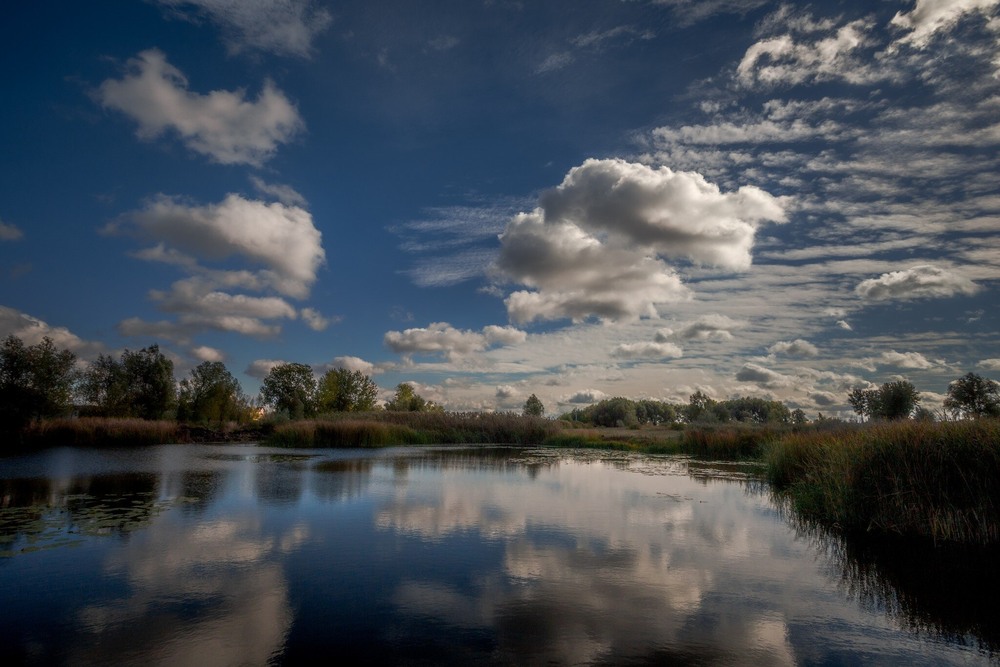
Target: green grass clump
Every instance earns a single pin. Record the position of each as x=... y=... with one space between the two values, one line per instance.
x=932 y=480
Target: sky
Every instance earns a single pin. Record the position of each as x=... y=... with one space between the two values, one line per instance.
x=579 y=199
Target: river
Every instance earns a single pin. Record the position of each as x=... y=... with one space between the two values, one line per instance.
x=245 y=555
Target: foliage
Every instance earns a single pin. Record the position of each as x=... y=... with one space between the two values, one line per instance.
x=936 y=480
x=36 y=382
x=291 y=389
x=407 y=399
x=973 y=396
x=892 y=401
x=140 y=385
x=212 y=394
x=533 y=407
x=341 y=390
x=620 y=411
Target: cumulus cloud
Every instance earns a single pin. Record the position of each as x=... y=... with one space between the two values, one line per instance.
x=222 y=125
x=650 y=350
x=281 y=27
x=506 y=392
x=442 y=338
x=845 y=325
x=9 y=232
x=584 y=397
x=314 y=319
x=795 y=348
x=930 y=17
x=765 y=377
x=990 y=364
x=709 y=327
x=595 y=246
x=919 y=282
x=352 y=364
x=186 y=327
x=911 y=360
x=282 y=239
x=677 y=214
x=32 y=330
x=261 y=367
x=205 y=353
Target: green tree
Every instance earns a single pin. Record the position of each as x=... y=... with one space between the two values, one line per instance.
x=211 y=394
x=893 y=400
x=533 y=407
x=406 y=399
x=341 y=390
x=141 y=384
x=974 y=396
x=798 y=416
x=290 y=388
x=700 y=408
x=36 y=381
x=897 y=400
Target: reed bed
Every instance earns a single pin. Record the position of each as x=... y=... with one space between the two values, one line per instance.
x=932 y=480
x=101 y=432
x=377 y=429
x=729 y=443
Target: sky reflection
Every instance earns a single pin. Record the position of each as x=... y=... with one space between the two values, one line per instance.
x=250 y=555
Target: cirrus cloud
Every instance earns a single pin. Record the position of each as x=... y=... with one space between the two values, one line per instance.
x=282 y=27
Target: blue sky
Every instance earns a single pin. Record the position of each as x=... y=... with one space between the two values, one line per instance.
x=578 y=199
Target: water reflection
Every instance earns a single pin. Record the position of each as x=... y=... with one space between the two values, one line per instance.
x=248 y=555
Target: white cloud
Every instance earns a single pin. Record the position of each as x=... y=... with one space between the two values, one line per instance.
x=930 y=17
x=506 y=392
x=910 y=360
x=9 y=232
x=677 y=214
x=787 y=61
x=795 y=348
x=708 y=327
x=765 y=377
x=205 y=353
x=352 y=364
x=187 y=326
x=314 y=320
x=32 y=330
x=919 y=282
x=687 y=12
x=195 y=296
x=825 y=398
x=222 y=125
x=282 y=27
x=281 y=238
x=261 y=367
x=442 y=338
x=650 y=350
x=594 y=246
x=845 y=325
x=990 y=364
x=585 y=396
x=286 y=194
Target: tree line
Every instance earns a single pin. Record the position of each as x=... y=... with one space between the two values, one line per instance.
x=41 y=381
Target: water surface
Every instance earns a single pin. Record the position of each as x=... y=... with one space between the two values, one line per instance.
x=247 y=555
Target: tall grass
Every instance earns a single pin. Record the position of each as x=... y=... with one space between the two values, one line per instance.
x=729 y=443
x=101 y=432
x=932 y=480
x=411 y=428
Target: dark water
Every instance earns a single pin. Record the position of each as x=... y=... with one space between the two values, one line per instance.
x=241 y=555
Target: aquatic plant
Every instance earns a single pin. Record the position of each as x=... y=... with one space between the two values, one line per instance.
x=933 y=480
